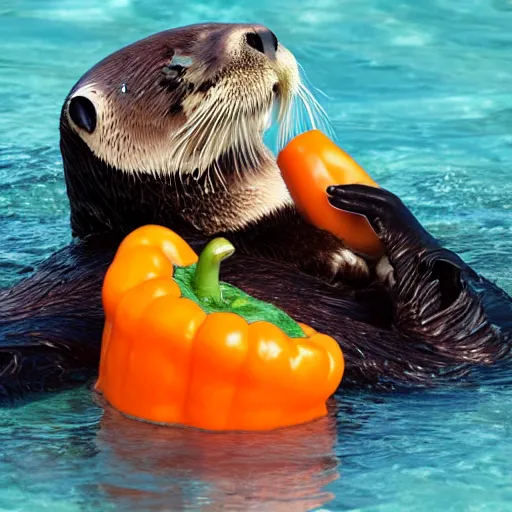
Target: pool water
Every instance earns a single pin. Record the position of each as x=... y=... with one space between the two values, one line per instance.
x=420 y=93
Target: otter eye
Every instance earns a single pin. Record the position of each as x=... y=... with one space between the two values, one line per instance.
x=182 y=61
x=177 y=66
x=82 y=112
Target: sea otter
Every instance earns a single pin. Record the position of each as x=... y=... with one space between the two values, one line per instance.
x=169 y=131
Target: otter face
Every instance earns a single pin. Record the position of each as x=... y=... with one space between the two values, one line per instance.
x=183 y=100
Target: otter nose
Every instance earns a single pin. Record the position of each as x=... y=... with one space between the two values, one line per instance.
x=263 y=40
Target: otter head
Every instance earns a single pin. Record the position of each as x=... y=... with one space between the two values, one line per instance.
x=170 y=130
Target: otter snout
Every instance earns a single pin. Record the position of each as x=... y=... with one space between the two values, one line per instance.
x=263 y=40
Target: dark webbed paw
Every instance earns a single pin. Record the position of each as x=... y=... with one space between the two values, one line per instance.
x=432 y=292
x=393 y=222
x=414 y=255
x=387 y=214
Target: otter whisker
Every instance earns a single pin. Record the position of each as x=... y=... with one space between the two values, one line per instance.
x=248 y=136
x=201 y=118
x=285 y=128
x=238 y=122
x=217 y=126
x=303 y=112
x=307 y=105
x=190 y=133
x=227 y=134
x=319 y=111
x=213 y=130
x=250 y=153
x=211 y=135
x=309 y=84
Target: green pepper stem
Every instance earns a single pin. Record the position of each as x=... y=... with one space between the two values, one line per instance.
x=206 y=281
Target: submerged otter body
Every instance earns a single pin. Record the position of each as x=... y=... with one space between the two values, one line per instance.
x=169 y=131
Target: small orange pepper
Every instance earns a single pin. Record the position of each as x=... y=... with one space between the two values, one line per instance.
x=309 y=164
x=180 y=347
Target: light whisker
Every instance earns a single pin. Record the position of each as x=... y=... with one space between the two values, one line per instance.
x=300 y=113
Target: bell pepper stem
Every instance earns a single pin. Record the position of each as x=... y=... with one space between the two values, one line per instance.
x=206 y=281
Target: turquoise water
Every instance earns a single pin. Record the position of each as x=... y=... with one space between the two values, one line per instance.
x=420 y=93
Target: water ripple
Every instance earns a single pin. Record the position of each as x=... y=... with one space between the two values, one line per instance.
x=419 y=93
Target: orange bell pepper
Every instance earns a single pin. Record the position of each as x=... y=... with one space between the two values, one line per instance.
x=179 y=347
x=309 y=164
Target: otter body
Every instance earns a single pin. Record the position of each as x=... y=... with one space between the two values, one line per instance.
x=169 y=131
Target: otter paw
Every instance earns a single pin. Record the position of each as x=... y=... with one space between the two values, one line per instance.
x=379 y=206
x=387 y=214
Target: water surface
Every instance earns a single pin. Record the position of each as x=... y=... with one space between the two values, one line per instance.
x=419 y=92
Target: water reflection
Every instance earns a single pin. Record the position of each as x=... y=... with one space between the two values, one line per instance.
x=162 y=468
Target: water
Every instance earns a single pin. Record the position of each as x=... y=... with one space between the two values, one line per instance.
x=419 y=92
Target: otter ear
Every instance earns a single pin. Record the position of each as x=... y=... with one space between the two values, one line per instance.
x=82 y=112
